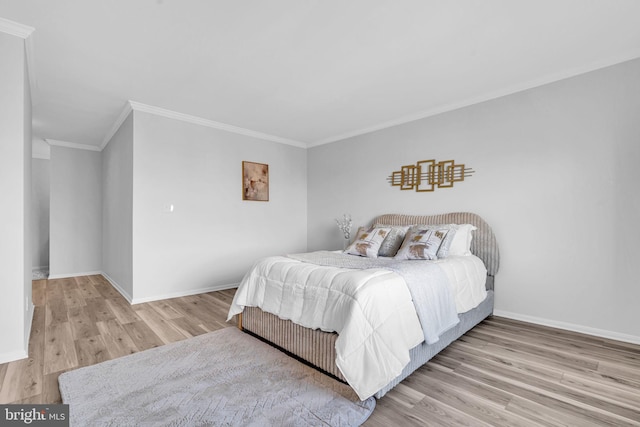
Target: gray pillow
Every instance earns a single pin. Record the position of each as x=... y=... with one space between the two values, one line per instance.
x=393 y=241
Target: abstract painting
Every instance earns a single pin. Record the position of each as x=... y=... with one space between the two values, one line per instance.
x=255 y=181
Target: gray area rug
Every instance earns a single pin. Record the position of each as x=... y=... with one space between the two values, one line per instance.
x=223 y=378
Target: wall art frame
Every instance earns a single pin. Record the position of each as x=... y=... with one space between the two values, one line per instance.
x=255 y=181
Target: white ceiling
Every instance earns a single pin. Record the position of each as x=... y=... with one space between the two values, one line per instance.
x=303 y=71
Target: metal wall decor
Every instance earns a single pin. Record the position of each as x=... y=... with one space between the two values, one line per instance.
x=427 y=175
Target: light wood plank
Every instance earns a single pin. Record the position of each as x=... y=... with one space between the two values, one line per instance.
x=118 y=341
x=103 y=287
x=165 y=309
x=99 y=310
x=480 y=408
x=122 y=310
x=82 y=326
x=59 y=348
x=614 y=395
x=142 y=335
x=186 y=327
x=23 y=379
x=53 y=289
x=630 y=374
x=589 y=409
x=163 y=328
x=68 y=283
x=563 y=357
x=91 y=351
x=193 y=308
x=50 y=389
x=546 y=416
x=39 y=292
x=87 y=290
x=406 y=396
x=56 y=311
x=73 y=298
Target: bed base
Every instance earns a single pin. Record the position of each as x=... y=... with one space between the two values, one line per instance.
x=314 y=346
x=318 y=348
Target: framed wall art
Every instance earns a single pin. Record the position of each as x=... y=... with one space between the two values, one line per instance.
x=255 y=181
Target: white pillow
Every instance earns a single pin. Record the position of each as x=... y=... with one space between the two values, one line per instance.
x=367 y=242
x=461 y=243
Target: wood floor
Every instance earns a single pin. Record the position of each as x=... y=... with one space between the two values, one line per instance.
x=502 y=372
x=83 y=320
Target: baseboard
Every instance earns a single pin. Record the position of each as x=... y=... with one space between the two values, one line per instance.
x=27 y=332
x=569 y=327
x=21 y=354
x=117 y=287
x=184 y=293
x=12 y=356
x=179 y=294
x=68 y=275
x=132 y=300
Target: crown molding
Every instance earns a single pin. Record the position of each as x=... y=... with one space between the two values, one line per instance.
x=25 y=32
x=551 y=78
x=65 y=144
x=137 y=106
x=116 y=125
x=15 y=29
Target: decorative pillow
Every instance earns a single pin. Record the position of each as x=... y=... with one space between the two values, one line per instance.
x=422 y=242
x=444 y=249
x=359 y=233
x=393 y=241
x=368 y=241
x=461 y=242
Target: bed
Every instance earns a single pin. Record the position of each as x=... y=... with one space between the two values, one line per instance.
x=381 y=353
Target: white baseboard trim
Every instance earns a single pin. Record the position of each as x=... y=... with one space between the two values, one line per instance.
x=178 y=294
x=21 y=354
x=569 y=327
x=27 y=332
x=185 y=293
x=12 y=356
x=68 y=275
x=118 y=288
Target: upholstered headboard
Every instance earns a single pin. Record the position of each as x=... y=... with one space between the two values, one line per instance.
x=483 y=244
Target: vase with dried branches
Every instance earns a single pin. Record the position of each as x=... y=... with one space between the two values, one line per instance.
x=344 y=224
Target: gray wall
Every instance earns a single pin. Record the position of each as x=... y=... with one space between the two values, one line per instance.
x=75 y=212
x=16 y=309
x=40 y=174
x=117 y=216
x=556 y=177
x=213 y=236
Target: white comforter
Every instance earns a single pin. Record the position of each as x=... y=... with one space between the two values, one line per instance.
x=371 y=309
